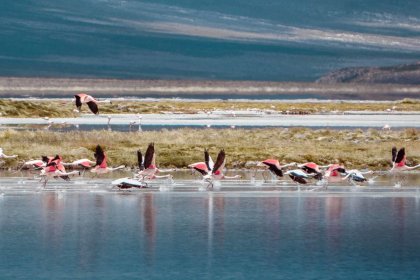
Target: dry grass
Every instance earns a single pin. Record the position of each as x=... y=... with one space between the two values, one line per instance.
x=59 y=108
x=178 y=148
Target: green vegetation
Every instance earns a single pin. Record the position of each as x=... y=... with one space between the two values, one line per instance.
x=178 y=148
x=60 y=108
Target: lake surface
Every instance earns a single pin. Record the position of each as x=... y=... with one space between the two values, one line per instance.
x=240 y=119
x=204 y=40
x=208 y=235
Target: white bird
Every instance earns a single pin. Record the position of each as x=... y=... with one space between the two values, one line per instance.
x=109 y=123
x=386 y=127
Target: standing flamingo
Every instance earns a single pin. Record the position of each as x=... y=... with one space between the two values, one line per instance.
x=398 y=161
x=101 y=165
x=92 y=103
x=54 y=168
x=212 y=171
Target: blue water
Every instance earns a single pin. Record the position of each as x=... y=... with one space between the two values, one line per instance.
x=219 y=39
x=208 y=236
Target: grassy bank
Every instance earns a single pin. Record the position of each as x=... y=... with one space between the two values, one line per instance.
x=59 y=108
x=178 y=148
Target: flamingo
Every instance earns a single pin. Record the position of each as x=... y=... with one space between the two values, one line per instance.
x=311 y=168
x=299 y=176
x=92 y=103
x=274 y=166
x=54 y=168
x=398 y=161
x=335 y=170
x=355 y=175
x=36 y=164
x=101 y=165
x=3 y=155
x=80 y=163
x=147 y=166
x=148 y=170
x=109 y=123
x=212 y=171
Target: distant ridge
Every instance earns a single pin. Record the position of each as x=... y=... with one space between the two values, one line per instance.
x=400 y=74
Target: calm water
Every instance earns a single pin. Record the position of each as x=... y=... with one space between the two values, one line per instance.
x=208 y=236
x=278 y=40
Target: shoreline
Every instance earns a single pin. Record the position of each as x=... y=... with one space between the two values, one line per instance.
x=59 y=87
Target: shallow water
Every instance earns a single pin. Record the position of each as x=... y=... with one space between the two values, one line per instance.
x=129 y=122
x=208 y=235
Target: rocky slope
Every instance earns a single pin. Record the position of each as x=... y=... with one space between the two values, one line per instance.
x=400 y=74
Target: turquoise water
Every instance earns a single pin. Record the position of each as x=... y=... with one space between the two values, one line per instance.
x=188 y=39
x=208 y=236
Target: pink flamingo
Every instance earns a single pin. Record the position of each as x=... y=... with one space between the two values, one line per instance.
x=3 y=155
x=83 y=163
x=92 y=103
x=274 y=166
x=54 y=168
x=101 y=165
x=147 y=166
x=398 y=161
x=311 y=168
x=212 y=171
x=36 y=164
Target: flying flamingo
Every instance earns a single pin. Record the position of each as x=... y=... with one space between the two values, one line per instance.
x=101 y=165
x=274 y=166
x=36 y=164
x=299 y=176
x=398 y=161
x=212 y=171
x=54 y=168
x=148 y=171
x=3 y=155
x=311 y=168
x=333 y=173
x=92 y=103
x=83 y=163
x=355 y=175
x=335 y=170
x=147 y=166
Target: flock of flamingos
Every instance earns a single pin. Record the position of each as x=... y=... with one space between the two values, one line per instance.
x=210 y=171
